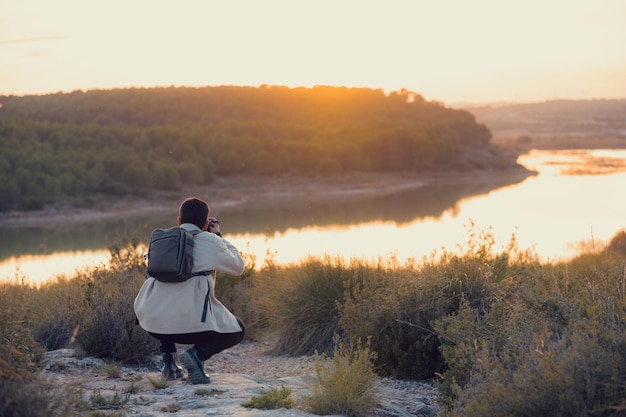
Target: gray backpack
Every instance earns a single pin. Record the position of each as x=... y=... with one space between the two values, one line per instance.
x=170 y=255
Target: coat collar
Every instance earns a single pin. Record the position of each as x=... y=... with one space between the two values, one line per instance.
x=190 y=227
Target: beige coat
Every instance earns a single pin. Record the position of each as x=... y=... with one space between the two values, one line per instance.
x=174 y=308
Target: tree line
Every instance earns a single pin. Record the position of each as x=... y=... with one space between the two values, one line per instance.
x=67 y=146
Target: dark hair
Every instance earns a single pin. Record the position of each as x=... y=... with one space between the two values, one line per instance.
x=193 y=210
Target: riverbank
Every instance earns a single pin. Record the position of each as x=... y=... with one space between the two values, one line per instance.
x=247 y=192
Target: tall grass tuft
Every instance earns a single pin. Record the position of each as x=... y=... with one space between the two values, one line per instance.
x=345 y=385
x=302 y=304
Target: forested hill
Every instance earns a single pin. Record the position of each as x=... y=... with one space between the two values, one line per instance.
x=130 y=141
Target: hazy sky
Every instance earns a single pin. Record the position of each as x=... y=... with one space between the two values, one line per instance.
x=446 y=50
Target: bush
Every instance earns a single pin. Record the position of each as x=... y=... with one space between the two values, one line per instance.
x=392 y=308
x=345 y=385
x=302 y=304
x=19 y=356
x=552 y=345
x=506 y=334
x=573 y=375
x=108 y=325
x=22 y=391
x=395 y=305
x=271 y=400
x=56 y=308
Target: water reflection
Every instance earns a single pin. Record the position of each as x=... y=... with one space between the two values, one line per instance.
x=552 y=213
x=400 y=208
x=36 y=268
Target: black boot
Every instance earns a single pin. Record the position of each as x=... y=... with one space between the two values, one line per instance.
x=194 y=363
x=169 y=368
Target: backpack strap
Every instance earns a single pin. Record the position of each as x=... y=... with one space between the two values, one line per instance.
x=195 y=274
x=207 y=302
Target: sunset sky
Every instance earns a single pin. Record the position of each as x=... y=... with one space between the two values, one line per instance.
x=446 y=50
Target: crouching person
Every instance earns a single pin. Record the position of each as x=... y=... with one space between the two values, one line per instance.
x=188 y=312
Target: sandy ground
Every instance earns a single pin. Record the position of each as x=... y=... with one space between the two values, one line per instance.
x=237 y=375
x=252 y=192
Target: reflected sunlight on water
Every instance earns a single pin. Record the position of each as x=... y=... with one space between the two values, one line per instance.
x=553 y=215
x=366 y=240
x=38 y=268
x=577 y=162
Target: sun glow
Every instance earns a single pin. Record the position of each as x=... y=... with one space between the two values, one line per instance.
x=485 y=50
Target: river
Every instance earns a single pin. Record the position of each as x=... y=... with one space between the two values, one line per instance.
x=576 y=203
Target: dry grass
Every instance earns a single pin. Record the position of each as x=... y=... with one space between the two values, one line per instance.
x=504 y=333
x=345 y=385
x=271 y=399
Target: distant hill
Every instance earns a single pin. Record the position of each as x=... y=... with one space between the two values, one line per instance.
x=80 y=145
x=558 y=123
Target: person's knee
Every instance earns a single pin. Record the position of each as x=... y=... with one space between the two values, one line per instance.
x=243 y=326
x=243 y=331
x=236 y=338
x=241 y=335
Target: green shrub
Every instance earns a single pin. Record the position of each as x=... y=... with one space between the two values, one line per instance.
x=302 y=304
x=112 y=370
x=271 y=400
x=389 y=306
x=108 y=324
x=345 y=385
x=468 y=335
x=395 y=305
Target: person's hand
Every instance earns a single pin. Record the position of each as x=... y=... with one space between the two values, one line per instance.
x=214 y=226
